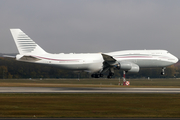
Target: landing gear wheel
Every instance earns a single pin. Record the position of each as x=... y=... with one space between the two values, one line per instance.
x=162 y=73
x=109 y=76
x=101 y=75
x=97 y=75
x=93 y=75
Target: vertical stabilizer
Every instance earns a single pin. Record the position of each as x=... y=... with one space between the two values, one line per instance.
x=25 y=44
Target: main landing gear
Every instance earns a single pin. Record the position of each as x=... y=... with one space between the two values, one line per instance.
x=96 y=75
x=101 y=75
x=111 y=73
x=109 y=76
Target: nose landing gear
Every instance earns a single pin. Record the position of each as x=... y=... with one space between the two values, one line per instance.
x=163 y=71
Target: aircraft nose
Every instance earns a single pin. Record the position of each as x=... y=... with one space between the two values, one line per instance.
x=175 y=59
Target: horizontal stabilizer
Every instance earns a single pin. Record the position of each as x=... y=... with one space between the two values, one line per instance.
x=9 y=56
x=29 y=58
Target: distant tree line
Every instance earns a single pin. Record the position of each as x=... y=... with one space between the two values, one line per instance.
x=10 y=68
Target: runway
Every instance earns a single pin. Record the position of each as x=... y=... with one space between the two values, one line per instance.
x=90 y=119
x=85 y=90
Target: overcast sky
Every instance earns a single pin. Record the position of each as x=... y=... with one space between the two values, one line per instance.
x=82 y=26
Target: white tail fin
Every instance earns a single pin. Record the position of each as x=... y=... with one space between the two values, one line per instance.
x=25 y=44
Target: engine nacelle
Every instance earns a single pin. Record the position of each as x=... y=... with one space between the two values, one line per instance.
x=134 y=68
x=125 y=66
x=128 y=66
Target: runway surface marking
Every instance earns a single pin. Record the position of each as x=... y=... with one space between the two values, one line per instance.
x=85 y=90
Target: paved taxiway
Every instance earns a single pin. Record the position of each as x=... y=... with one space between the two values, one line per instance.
x=90 y=119
x=85 y=90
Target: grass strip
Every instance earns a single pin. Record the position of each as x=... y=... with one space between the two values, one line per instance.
x=90 y=105
x=165 y=83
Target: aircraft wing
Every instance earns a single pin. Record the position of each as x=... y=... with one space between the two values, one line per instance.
x=109 y=63
x=108 y=58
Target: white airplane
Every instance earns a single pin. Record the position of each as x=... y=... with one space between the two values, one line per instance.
x=95 y=63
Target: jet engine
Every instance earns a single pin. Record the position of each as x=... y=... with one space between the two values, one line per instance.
x=128 y=66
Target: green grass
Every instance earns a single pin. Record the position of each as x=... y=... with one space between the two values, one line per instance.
x=90 y=105
x=168 y=83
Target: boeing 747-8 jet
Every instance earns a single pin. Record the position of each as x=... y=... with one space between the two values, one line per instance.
x=95 y=63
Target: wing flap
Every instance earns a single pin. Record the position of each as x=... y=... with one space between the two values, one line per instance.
x=109 y=63
x=108 y=58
